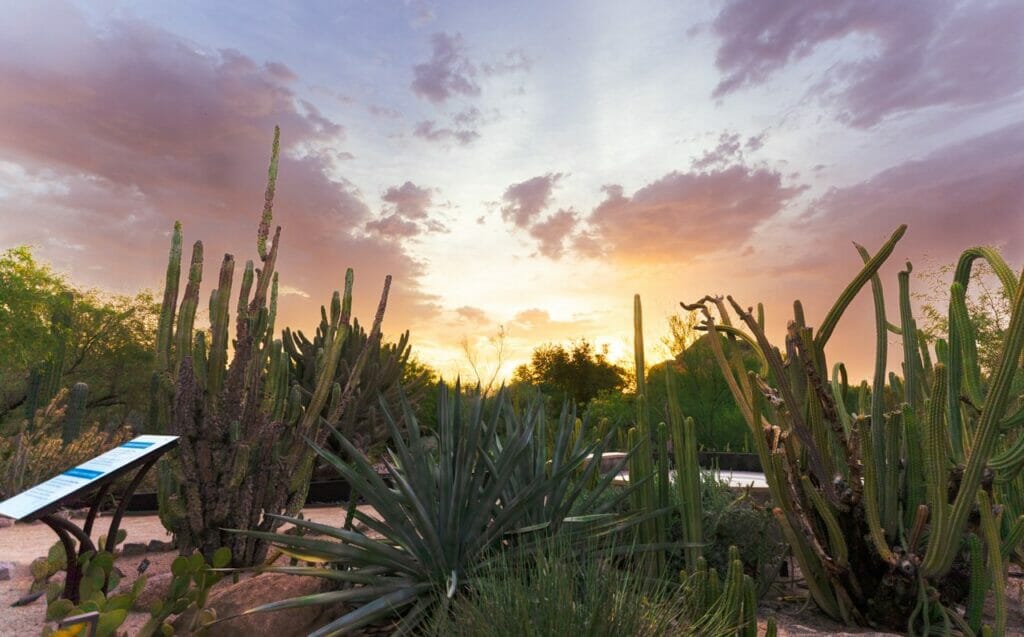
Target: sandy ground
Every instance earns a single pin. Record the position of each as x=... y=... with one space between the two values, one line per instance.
x=24 y=542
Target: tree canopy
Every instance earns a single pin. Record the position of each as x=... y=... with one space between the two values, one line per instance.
x=578 y=372
x=108 y=339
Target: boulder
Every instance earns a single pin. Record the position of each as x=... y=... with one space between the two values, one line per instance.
x=129 y=549
x=262 y=589
x=159 y=546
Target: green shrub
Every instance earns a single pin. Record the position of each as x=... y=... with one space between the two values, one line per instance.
x=556 y=591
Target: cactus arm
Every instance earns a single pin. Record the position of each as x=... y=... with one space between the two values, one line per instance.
x=687 y=482
x=878 y=379
x=268 y=201
x=941 y=550
x=870 y=268
x=220 y=301
x=167 y=309
x=871 y=494
x=798 y=424
x=995 y=561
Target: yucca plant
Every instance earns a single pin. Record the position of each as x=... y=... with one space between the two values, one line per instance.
x=443 y=508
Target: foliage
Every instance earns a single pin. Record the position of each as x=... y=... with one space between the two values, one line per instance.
x=242 y=423
x=92 y=336
x=98 y=577
x=487 y=482
x=877 y=506
x=578 y=373
x=37 y=452
x=703 y=393
x=191 y=580
x=556 y=591
x=731 y=520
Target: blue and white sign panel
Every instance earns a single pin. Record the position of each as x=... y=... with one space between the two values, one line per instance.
x=78 y=478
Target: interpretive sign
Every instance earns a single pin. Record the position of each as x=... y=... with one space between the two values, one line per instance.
x=48 y=496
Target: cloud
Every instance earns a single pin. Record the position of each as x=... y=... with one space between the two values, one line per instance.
x=406 y=212
x=523 y=201
x=965 y=194
x=449 y=71
x=728 y=150
x=409 y=200
x=685 y=214
x=429 y=131
x=553 y=231
x=471 y=314
x=136 y=128
x=515 y=60
x=910 y=55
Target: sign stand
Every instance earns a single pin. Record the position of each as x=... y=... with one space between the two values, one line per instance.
x=42 y=501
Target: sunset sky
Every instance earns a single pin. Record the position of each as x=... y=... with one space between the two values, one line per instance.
x=525 y=165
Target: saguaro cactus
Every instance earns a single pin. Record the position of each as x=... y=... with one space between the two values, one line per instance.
x=876 y=505
x=244 y=425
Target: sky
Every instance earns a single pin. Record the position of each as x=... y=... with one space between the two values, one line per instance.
x=519 y=168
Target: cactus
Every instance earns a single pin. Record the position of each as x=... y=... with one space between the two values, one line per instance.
x=875 y=505
x=243 y=457
x=378 y=366
x=71 y=427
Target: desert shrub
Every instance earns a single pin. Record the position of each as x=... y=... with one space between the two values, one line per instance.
x=37 y=451
x=731 y=519
x=557 y=591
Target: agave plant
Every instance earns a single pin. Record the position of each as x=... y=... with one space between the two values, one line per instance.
x=444 y=507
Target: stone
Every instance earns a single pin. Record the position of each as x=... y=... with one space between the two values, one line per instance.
x=6 y=522
x=130 y=549
x=155 y=590
x=159 y=546
x=6 y=571
x=262 y=589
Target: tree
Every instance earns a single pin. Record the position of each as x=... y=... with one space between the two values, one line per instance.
x=108 y=337
x=702 y=389
x=579 y=373
x=987 y=305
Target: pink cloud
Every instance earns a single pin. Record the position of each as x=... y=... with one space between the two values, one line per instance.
x=553 y=231
x=134 y=128
x=684 y=215
x=525 y=200
x=923 y=53
x=448 y=72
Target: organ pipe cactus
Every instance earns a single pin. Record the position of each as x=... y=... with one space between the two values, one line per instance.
x=243 y=424
x=649 y=465
x=71 y=426
x=882 y=507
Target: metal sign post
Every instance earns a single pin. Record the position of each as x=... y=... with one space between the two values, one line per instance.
x=42 y=501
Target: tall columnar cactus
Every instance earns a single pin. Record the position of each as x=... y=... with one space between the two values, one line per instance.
x=650 y=462
x=244 y=425
x=376 y=368
x=71 y=426
x=46 y=378
x=878 y=505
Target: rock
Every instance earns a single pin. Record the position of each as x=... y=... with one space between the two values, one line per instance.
x=155 y=590
x=158 y=546
x=6 y=571
x=262 y=589
x=130 y=549
x=6 y=522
